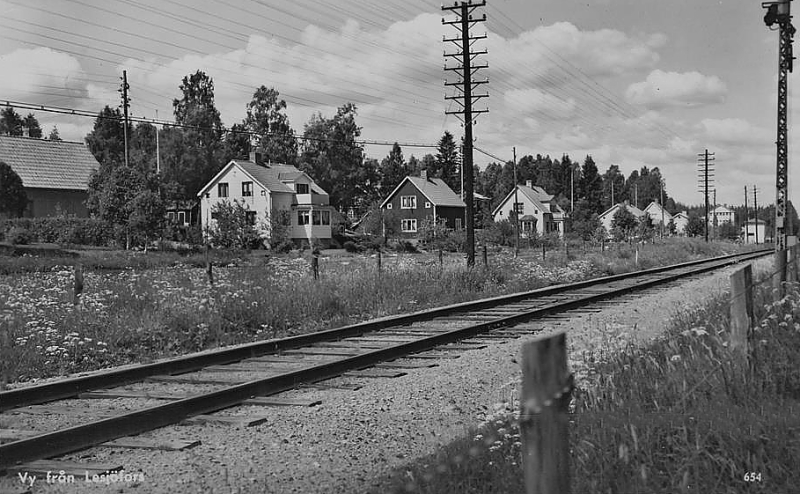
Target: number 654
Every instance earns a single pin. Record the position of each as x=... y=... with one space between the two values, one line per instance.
x=752 y=477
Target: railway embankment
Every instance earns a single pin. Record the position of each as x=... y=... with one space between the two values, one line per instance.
x=661 y=406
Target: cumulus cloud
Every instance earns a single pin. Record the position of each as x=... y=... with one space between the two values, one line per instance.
x=736 y=132
x=672 y=89
x=39 y=74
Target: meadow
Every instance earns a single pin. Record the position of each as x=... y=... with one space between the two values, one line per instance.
x=679 y=415
x=136 y=307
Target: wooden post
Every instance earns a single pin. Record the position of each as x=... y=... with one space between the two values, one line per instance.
x=315 y=266
x=602 y=245
x=440 y=257
x=741 y=311
x=780 y=274
x=544 y=252
x=209 y=266
x=791 y=270
x=485 y=258
x=636 y=258
x=544 y=422
x=77 y=288
x=379 y=260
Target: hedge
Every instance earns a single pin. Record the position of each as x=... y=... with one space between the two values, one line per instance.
x=83 y=231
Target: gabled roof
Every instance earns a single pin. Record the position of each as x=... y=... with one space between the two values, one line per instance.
x=658 y=208
x=434 y=189
x=536 y=195
x=271 y=177
x=633 y=209
x=45 y=164
x=722 y=209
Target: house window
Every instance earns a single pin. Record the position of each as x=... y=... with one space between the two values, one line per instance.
x=389 y=206
x=303 y=217
x=316 y=218
x=181 y=218
x=170 y=216
x=301 y=188
x=408 y=202
x=427 y=205
x=409 y=226
x=326 y=217
x=247 y=189
x=519 y=207
x=214 y=215
x=222 y=190
x=250 y=216
x=458 y=223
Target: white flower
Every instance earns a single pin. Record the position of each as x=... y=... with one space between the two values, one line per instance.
x=675 y=358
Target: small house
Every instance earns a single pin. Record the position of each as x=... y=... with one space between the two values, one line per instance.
x=417 y=199
x=754 y=231
x=537 y=211
x=658 y=214
x=266 y=190
x=681 y=220
x=55 y=174
x=607 y=217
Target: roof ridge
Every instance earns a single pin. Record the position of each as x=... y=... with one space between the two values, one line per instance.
x=42 y=139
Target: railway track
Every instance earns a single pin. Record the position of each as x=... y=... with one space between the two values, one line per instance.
x=193 y=387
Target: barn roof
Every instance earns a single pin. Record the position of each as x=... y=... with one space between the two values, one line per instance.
x=46 y=164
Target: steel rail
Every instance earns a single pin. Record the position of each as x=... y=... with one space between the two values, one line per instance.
x=71 y=387
x=83 y=436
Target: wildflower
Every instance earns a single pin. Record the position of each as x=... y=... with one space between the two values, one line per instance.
x=675 y=358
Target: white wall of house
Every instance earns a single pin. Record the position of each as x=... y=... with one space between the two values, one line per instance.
x=681 y=220
x=754 y=230
x=528 y=207
x=654 y=211
x=258 y=201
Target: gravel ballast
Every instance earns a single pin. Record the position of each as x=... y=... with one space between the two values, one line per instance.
x=355 y=438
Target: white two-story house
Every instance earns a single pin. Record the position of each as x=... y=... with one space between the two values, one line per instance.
x=264 y=189
x=538 y=213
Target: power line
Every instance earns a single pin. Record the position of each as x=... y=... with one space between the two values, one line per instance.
x=167 y=123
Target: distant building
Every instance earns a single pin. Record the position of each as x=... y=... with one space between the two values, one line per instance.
x=607 y=217
x=536 y=209
x=416 y=199
x=658 y=214
x=264 y=189
x=55 y=174
x=720 y=215
x=681 y=220
x=754 y=229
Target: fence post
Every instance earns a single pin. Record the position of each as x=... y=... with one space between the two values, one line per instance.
x=544 y=252
x=77 y=288
x=791 y=270
x=209 y=266
x=544 y=423
x=636 y=259
x=741 y=311
x=485 y=258
x=315 y=266
x=780 y=274
x=440 y=257
x=379 y=260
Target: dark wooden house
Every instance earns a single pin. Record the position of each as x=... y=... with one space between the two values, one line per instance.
x=417 y=199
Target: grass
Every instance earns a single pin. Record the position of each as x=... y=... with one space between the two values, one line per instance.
x=137 y=307
x=676 y=416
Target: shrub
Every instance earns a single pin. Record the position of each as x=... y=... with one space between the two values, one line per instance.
x=18 y=236
x=351 y=247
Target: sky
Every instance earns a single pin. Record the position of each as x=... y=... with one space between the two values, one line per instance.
x=630 y=82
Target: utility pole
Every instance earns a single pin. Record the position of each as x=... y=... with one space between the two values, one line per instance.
x=661 y=204
x=716 y=219
x=516 y=214
x=636 y=195
x=706 y=172
x=572 y=189
x=755 y=207
x=779 y=12
x=158 y=149
x=125 y=102
x=465 y=70
x=746 y=218
x=612 y=192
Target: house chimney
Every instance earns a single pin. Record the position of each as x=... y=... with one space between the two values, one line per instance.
x=529 y=183
x=423 y=174
x=256 y=157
